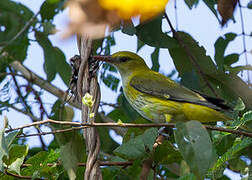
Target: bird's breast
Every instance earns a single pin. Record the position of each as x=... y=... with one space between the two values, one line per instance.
x=151 y=108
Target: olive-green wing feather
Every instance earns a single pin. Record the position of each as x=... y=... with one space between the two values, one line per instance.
x=162 y=87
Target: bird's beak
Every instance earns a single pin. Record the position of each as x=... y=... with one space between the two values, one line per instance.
x=108 y=59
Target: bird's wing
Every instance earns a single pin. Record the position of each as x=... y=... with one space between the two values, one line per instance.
x=162 y=87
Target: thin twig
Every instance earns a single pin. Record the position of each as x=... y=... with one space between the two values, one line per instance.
x=35 y=79
x=19 y=176
x=132 y=125
x=244 y=39
x=176 y=14
x=127 y=163
x=188 y=52
x=109 y=104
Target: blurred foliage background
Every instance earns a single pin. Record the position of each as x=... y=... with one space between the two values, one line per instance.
x=192 y=152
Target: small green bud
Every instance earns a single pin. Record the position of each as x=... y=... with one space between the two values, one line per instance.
x=88 y=100
x=91 y=115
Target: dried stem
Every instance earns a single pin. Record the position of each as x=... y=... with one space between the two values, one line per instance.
x=124 y=125
x=127 y=163
x=87 y=83
x=188 y=52
x=27 y=107
x=244 y=40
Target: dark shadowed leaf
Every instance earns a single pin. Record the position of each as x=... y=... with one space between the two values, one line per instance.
x=166 y=153
x=11 y=137
x=220 y=47
x=70 y=142
x=220 y=165
x=3 y=148
x=190 y=80
x=55 y=61
x=17 y=153
x=136 y=147
x=223 y=142
x=140 y=44
x=110 y=81
x=107 y=143
x=39 y=167
x=151 y=34
x=249 y=5
x=50 y=8
x=184 y=63
x=128 y=28
x=188 y=177
x=191 y=3
x=230 y=59
x=195 y=146
x=155 y=60
x=211 y=5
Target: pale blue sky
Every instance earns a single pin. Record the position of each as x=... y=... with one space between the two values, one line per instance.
x=199 y=22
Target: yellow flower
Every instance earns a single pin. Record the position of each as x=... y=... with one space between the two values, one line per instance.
x=91 y=115
x=130 y=8
x=88 y=100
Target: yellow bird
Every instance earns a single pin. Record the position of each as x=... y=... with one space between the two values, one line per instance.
x=158 y=98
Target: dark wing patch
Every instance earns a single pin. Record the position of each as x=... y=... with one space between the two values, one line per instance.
x=162 y=87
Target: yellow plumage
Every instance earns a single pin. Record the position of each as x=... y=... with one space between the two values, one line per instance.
x=160 y=99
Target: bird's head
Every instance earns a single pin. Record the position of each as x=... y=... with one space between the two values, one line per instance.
x=124 y=61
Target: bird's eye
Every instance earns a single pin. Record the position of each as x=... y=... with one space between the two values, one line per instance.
x=124 y=59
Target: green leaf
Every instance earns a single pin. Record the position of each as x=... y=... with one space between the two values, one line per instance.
x=135 y=147
x=184 y=63
x=249 y=5
x=188 y=177
x=11 y=137
x=48 y=28
x=195 y=146
x=128 y=28
x=110 y=81
x=3 y=149
x=71 y=143
x=237 y=69
x=220 y=165
x=13 y=17
x=191 y=3
x=36 y=162
x=17 y=153
x=154 y=60
x=190 y=80
x=75 y=148
x=107 y=142
x=246 y=121
x=151 y=34
x=231 y=59
x=166 y=153
x=237 y=165
x=220 y=47
x=211 y=5
x=223 y=142
x=55 y=61
x=50 y=8
x=140 y=44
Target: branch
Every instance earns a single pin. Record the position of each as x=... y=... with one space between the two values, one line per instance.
x=129 y=125
x=27 y=107
x=19 y=176
x=124 y=164
x=32 y=77
x=26 y=26
x=43 y=84
x=188 y=52
x=244 y=40
x=127 y=163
